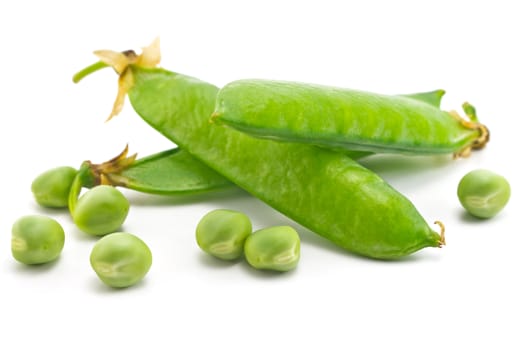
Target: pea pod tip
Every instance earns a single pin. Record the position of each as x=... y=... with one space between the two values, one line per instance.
x=442 y=240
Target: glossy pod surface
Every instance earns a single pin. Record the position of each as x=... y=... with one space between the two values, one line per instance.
x=324 y=191
x=343 y=118
x=169 y=172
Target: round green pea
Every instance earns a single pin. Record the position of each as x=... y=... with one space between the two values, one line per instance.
x=222 y=233
x=483 y=193
x=101 y=210
x=120 y=259
x=273 y=248
x=36 y=239
x=51 y=188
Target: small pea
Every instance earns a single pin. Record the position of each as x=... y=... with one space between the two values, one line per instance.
x=120 y=259
x=36 y=239
x=273 y=248
x=51 y=188
x=222 y=233
x=483 y=193
x=101 y=210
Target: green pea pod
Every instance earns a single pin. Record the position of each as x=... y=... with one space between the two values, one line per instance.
x=169 y=172
x=348 y=119
x=325 y=191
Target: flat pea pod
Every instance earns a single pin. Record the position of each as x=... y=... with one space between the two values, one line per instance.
x=275 y=248
x=51 y=188
x=170 y=172
x=120 y=259
x=483 y=193
x=222 y=233
x=348 y=119
x=36 y=239
x=326 y=192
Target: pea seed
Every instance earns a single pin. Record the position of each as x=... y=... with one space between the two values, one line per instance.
x=36 y=239
x=222 y=233
x=483 y=193
x=101 y=210
x=273 y=248
x=120 y=259
x=51 y=188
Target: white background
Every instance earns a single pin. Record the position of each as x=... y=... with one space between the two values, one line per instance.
x=466 y=295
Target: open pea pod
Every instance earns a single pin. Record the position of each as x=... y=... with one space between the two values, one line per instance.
x=326 y=192
x=348 y=119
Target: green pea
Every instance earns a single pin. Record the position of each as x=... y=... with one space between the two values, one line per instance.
x=120 y=259
x=101 y=210
x=51 y=188
x=36 y=239
x=483 y=193
x=273 y=248
x=222 y=233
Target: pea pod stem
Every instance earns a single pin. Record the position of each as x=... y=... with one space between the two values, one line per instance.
x=76 y=187
x=89 y=70
x=471 y=123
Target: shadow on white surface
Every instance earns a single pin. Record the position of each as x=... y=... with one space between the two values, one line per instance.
x=36 y=269
x=99 y=287
x=211 y=262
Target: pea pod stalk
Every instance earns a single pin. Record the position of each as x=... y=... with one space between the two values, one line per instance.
x=348 y=119
x=325 y=191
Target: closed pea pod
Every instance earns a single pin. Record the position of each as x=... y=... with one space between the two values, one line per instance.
x=325 y=191
x=348 y=119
